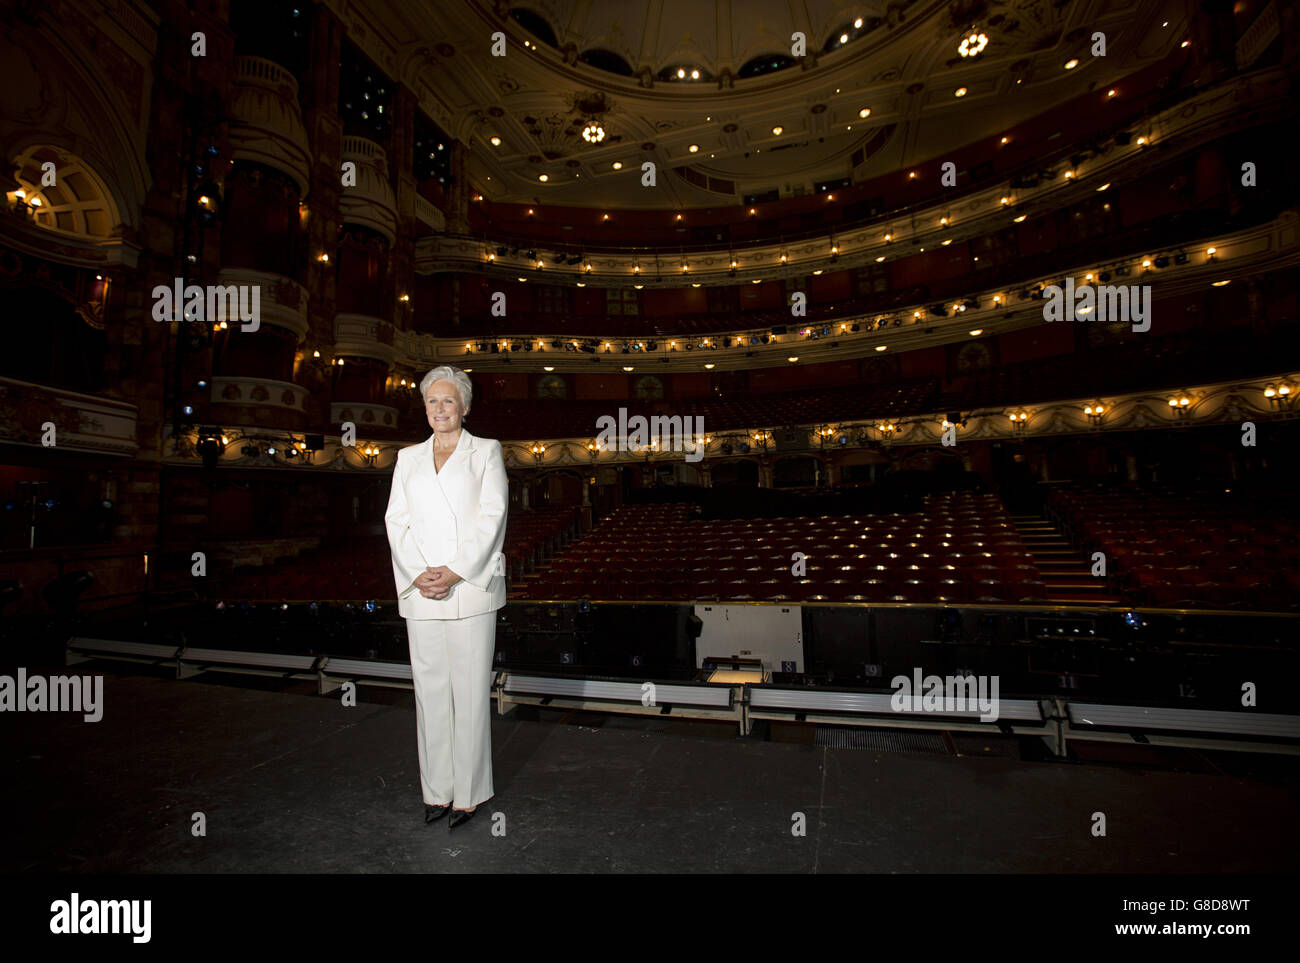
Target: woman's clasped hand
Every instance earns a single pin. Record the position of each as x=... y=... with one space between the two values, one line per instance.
x=436 y=582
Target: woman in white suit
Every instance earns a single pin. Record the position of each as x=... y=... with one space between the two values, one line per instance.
x=446 y=522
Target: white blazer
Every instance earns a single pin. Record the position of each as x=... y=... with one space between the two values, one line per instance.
x=455 y=517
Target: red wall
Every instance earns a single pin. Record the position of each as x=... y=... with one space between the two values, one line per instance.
x=601 y=386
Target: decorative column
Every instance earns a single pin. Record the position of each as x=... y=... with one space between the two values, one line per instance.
x=458 y=195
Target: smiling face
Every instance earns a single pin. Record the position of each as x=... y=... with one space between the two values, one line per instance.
x=443 y=406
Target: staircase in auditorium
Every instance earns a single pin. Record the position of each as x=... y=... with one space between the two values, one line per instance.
x=1064 y=570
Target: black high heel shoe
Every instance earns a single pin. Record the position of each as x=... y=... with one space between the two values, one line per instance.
x=460 y=816
x=434 y=813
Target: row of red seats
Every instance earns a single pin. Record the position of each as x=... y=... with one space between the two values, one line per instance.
x=961 y=548
x=1219 y=549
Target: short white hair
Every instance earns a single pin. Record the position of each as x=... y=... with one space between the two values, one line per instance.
x=457 y=377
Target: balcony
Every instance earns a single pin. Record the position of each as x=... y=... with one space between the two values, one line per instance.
x=83 y=423
x=364 y=336
x=370 y=203
x=266 y=121
x=283 y=301
x=260 y=393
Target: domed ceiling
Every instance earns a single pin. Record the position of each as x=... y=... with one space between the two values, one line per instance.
x=731 y=98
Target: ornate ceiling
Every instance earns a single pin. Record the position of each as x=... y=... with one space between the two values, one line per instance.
x=902 y=64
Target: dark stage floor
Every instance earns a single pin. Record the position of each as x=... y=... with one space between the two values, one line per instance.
x=292 y=782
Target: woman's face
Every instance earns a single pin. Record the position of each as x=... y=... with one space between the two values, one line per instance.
x=443 y=406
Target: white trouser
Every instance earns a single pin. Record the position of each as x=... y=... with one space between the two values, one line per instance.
x=451 y=666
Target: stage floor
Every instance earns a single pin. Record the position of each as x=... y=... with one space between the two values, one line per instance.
x=292 y=782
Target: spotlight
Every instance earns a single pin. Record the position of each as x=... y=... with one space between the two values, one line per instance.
x=1179 y=258
x=1104 y=276
x=1162 y=261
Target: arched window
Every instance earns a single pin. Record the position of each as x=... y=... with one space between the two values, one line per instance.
x=78 y=202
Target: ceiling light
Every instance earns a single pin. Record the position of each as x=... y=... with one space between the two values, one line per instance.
x=1071 y=63
x=548 y=367
x=1185 y=43
x=695 y=75
x=494 y=141
x=976 y=332
x=844 y=38
x=1020 y=218
x=1112 y=92
x=709 y=366
x=973 y=44
x=960 y=91
x=1006 y=140
x=777 y=130
x=681 y=73
x=617 y=165
x=1103 y=187
x=694 y=148
x=792 y=358
x=593 y=133
x=543 y=177
x=1219 y=284
x=864 y=113
x=881 y=347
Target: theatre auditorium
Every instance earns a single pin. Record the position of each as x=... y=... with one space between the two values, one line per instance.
x=877 y=446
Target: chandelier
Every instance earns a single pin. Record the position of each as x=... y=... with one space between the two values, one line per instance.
x=593 y=133
x=973 y=45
